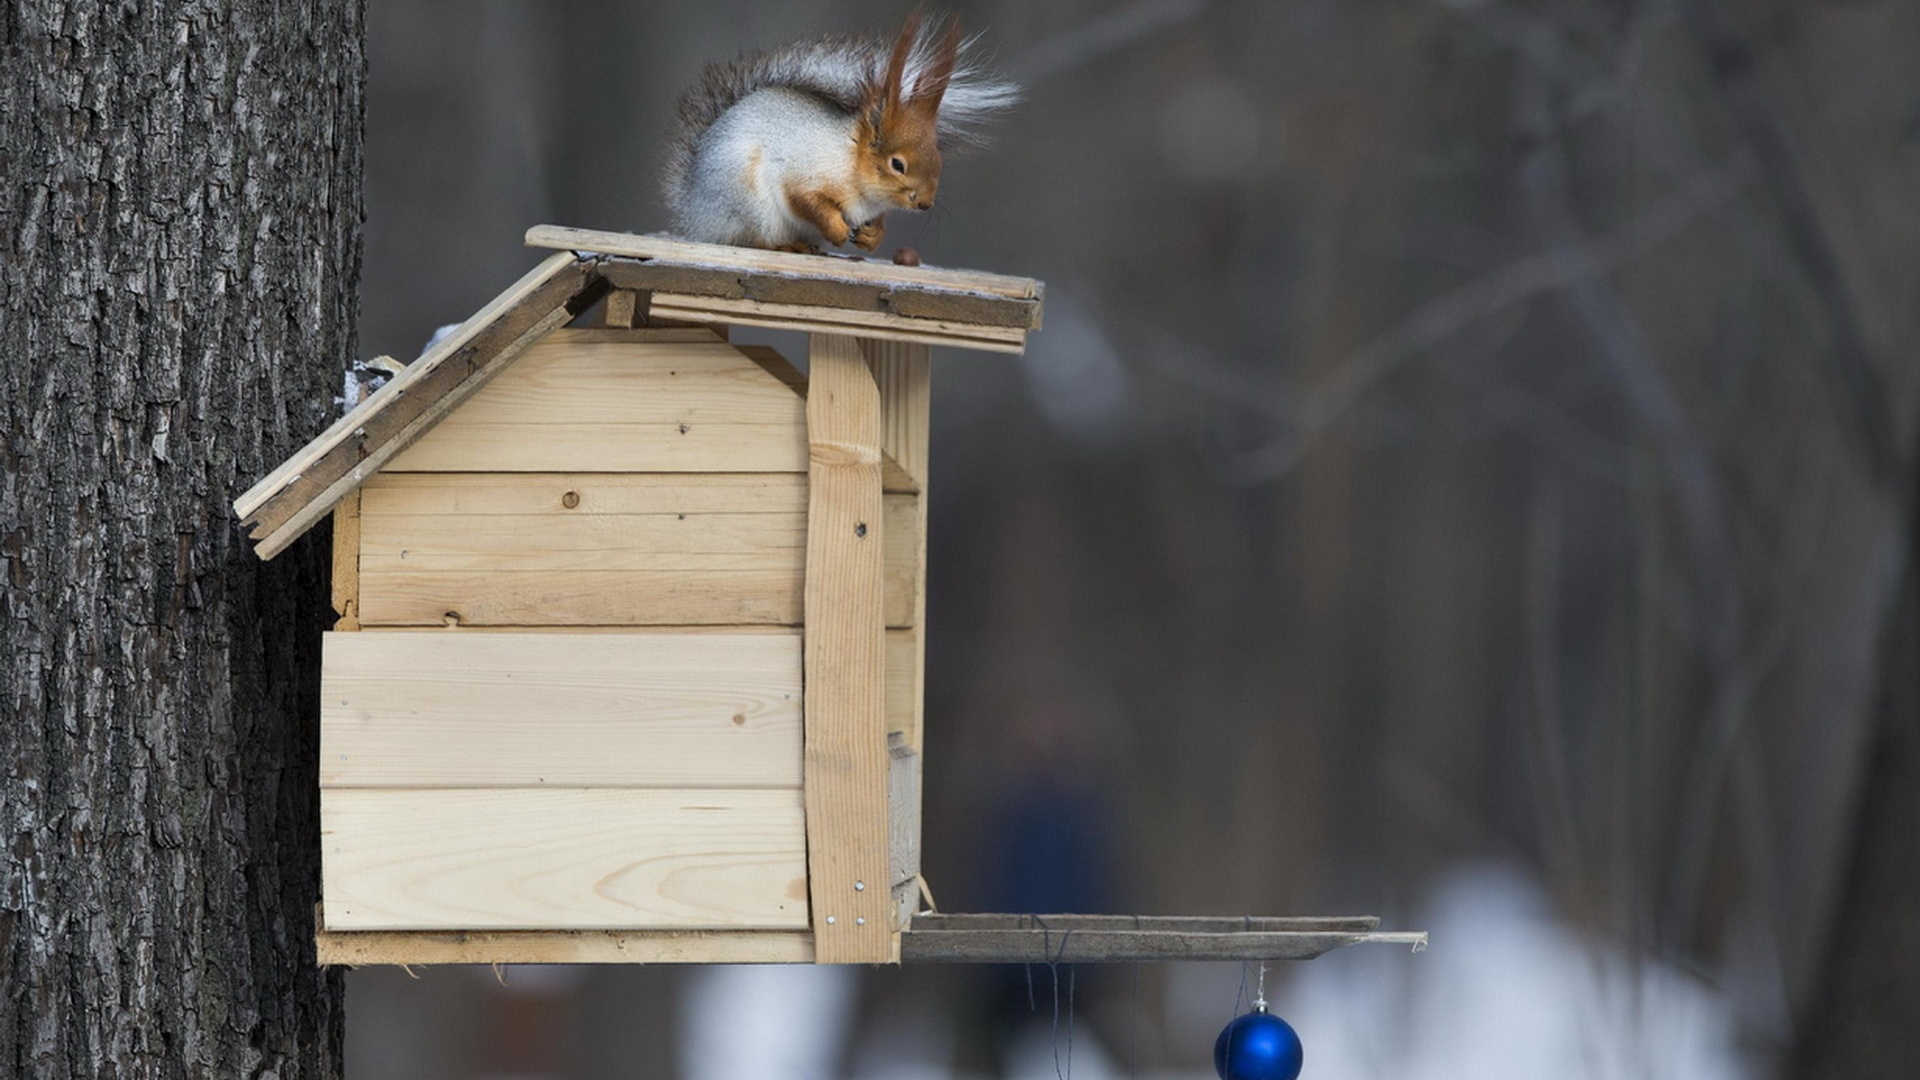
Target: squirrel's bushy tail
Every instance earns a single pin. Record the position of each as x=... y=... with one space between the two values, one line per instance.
x=838 y=69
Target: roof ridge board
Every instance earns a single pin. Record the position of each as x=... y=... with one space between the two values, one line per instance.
x=656 y=247
x=250 y=502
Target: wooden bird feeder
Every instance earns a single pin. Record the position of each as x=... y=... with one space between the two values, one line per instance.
x=628 y=663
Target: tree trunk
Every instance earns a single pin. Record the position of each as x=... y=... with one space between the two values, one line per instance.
x=180 y=201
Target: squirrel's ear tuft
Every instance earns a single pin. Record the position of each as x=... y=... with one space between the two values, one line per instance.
x=891 y=89
x=930 y=83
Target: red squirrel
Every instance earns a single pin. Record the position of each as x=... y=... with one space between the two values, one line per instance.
x=816 y=141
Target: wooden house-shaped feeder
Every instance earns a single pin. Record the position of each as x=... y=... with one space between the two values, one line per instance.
x=628 y=661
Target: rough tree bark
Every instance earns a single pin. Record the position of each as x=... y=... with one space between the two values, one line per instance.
x=180 y=205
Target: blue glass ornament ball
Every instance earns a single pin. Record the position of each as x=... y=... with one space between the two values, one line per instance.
x=1258 y=1046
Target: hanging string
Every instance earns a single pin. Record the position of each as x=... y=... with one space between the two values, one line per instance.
x=1053 y=960
x=1133 y=1038
x=1240 y=994
x=1073 y=977
x=1054 y=968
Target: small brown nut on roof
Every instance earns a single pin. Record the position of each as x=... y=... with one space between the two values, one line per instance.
x=906 y=256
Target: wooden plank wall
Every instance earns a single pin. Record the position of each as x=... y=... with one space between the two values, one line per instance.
x=579 y=602
x=608 y=479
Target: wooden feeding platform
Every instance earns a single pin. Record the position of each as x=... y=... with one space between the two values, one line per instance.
x=628 y=662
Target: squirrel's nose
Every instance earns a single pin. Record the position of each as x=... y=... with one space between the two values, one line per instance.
x=924 y=204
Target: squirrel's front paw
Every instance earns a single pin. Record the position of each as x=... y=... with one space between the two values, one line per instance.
x=867 y=237
x=836 y=230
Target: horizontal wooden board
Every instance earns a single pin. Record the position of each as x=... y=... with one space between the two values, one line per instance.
x=584 y=567
x=967 y=938
x=589 y=402
x=504 y=859
x=595 y=492
x=855 y=269
x=663 y=628
x=903 y=299
x=1123 y=946
x=532 y=709
x=567 y=380
x=420 y=947
x=928 y=938
x=1183 y=924
x=708 y=447
x=581 y=597
x=860 y=324
x=647 y=542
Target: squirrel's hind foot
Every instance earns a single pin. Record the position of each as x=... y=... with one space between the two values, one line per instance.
x=801 y=247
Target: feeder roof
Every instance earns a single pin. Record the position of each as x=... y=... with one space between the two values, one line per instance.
x=684 y=281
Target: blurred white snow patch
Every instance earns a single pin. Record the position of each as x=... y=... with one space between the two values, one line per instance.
x=1043 y=1052
x=1077 y=379
x=767 y=1022
x=902 y=1038
x=1506 y=992
x=1210 y=131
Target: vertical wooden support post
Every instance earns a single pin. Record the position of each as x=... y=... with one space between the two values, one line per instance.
x=346 y=547
x=903 y=373
x=626 y=309
x=346 y=562
x=845 y=657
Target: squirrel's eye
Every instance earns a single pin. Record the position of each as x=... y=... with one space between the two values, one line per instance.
x=899 y=166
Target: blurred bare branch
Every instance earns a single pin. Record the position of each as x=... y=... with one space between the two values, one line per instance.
x=1519 y=282
x=1097 y=39
x=1770 y=117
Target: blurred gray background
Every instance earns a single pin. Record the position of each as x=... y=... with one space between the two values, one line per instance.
x=1466 y=476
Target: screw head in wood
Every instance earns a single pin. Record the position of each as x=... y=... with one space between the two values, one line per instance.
x=831 y=920
x=860 y=921
x=570 y=500
x=860 y=530
x=859 y=886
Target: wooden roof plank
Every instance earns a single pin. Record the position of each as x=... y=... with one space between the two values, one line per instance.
x=383 y=433
x=700 y=283
x=754 y=260
x=821 y=320
x=898 y=301
x=280 y=477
